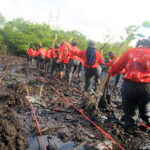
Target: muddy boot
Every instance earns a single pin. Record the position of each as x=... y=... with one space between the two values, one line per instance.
x=133 y=129
x=108 y=97
x=102 y=102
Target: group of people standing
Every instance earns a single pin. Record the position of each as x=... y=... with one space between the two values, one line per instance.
x=67 y=59
x=135 y=64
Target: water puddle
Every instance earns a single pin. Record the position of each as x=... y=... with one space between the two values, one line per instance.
x=35 y=143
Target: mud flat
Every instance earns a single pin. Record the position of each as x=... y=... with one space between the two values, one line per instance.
x=62 y=126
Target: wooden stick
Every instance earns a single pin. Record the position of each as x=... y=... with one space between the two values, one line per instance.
x=81 y=144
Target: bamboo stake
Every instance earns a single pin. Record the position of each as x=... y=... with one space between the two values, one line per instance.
x=40 y=94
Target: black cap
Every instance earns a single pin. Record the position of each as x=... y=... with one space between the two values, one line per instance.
x=74 y=44
x=91 y=44
x=111 y=53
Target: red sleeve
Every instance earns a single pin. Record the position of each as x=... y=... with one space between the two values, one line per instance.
x=80 y=54
x=100 y=57
x=119 y=65
x=107 y=64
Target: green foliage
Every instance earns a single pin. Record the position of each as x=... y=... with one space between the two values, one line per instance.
x=18 y=35
x=2 y=19
x=3 y=47
x=146 y=24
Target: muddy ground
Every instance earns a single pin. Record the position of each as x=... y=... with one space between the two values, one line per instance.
x=62 y=126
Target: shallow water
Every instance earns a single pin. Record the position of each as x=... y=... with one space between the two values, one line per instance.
x=35 y=143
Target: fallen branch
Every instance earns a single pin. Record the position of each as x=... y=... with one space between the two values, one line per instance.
x=80 y=145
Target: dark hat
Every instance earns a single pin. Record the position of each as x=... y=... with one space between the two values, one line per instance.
x=111 y=53
x=74 y=43
x=91 y=44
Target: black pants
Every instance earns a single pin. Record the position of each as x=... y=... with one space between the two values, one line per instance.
x=29 y=58
x=91 y=75
x=48 y=62
x=40 y=61
x=72 y=68
x=135 y=100
x=80 y=68
x=117 y=79
x=63 y=66
x=55 y=67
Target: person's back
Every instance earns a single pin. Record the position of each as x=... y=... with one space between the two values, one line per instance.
x=91 y=59
x=83 y=55
x=56 y=55
x=29 y=56
x=30 y=51
x=75 y=49
x=74 y=61
x=41 y=52
x=34 y=53
x=136 y=63
x=65 y=54
x=48 y=53
x=41 y=57
x=136 y=86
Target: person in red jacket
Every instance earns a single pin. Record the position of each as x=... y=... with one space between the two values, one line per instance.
x=41 y=57
x=112 y=58
x=64 y=59
x=30 y=52
x=136 y=87
x=48 y=60
x=73 y=62
x=56 y=56
x=91 y=61
x=34 y=53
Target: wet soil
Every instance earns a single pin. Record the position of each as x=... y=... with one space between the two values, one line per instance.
x=62 y=126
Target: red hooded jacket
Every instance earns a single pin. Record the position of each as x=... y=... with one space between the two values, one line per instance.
x=48 y=53
x=75 y=49
x=34 y=53
x=41 y=51
x=136 y=63
x=65 y=54
x=54 y=55
x=30 y=51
